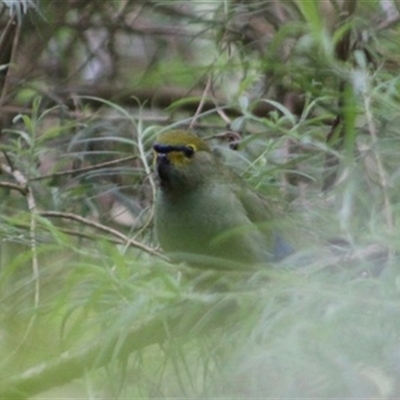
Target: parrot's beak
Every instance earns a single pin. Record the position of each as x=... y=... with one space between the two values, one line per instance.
x=162 y=164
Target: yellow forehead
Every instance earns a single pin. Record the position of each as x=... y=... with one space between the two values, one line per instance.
x=182 y=138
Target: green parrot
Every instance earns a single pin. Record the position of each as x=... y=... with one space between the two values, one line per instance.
x=205 y=214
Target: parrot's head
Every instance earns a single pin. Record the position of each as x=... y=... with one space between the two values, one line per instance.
x=183 y=160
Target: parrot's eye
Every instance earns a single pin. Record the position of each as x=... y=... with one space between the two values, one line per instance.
x=189 y=150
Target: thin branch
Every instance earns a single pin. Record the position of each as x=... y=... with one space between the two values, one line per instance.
x=13 y=186
x=23 y=187
x=26 y=190
x=77 y=114
x=141 y=29
x=32 y=233
x=389 y=22
x=148 y=171
x=174 y=11
x=12 y=28
x=85 y=169
x=79 y=234
x=102 y=228
x=223 y=115
x=161 y=97
x=202 y=101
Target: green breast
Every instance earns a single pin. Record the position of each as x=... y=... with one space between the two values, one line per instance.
x=208 y=228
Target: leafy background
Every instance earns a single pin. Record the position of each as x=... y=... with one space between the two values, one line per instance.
x=300 y=97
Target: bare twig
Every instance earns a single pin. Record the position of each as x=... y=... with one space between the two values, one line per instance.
x=77 y=114
x=13 y=186
x=388 y=22
x=26 y=190
x=141 y=29
x=102 y=228
x=148 y=171
x=202 y=101
x=14 y=29
x=85 y=169
x=223 y=115
x=23 y=187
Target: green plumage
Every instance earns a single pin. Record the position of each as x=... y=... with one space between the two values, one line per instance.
x=206 y=214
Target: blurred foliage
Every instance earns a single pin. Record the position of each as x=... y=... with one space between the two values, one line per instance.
x=300 y=97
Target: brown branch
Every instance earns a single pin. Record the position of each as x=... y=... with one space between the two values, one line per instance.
x=202 y=101
x=161 y=97
x=102 y=228
x=172 y=11
x=85 y=169
x=14 y=186
x=25 y=189
x=389 y=22
x=77 y=114
x=79 y=234
x=141 y=29
x=8 y=47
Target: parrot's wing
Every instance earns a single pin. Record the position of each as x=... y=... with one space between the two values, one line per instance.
x=255 y=206
x=260 y=213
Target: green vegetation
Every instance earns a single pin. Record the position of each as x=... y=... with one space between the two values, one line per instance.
x=299 y=97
